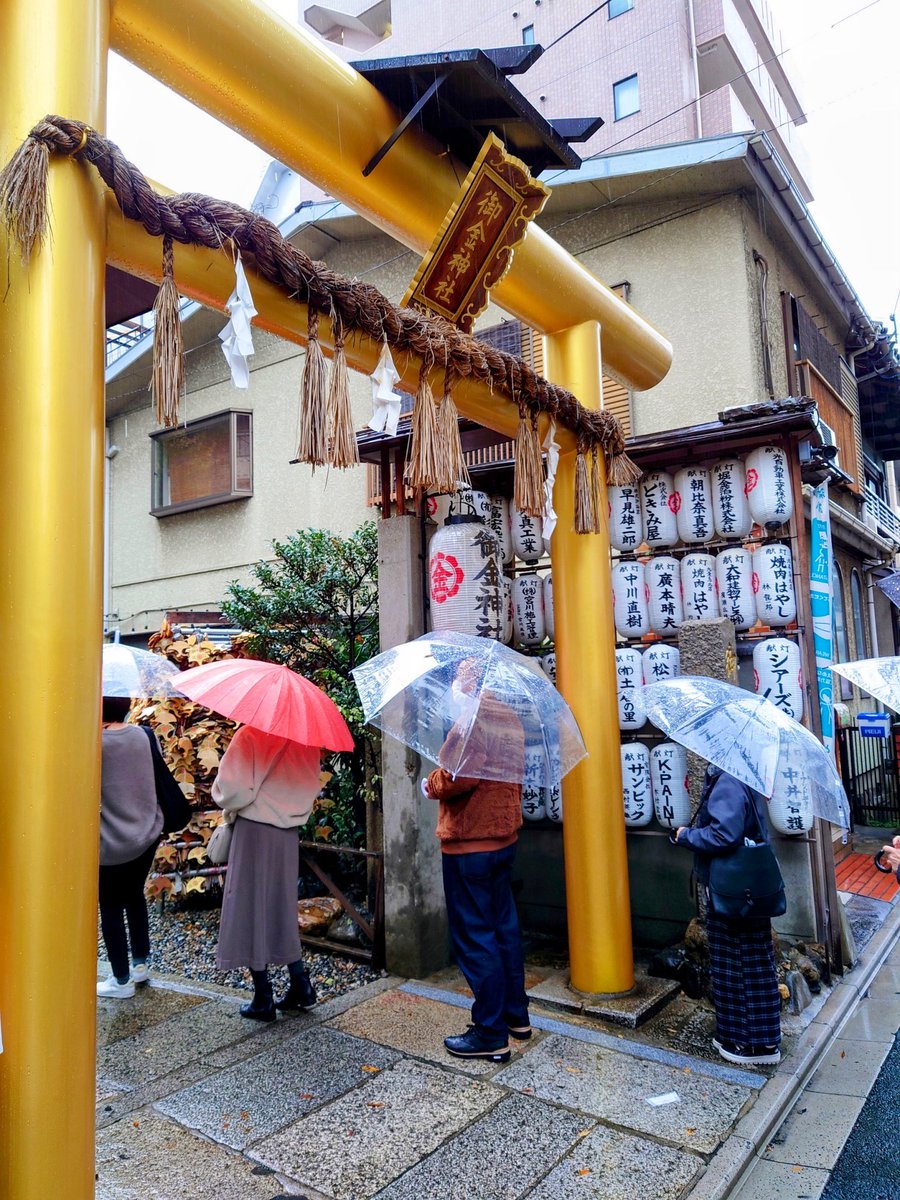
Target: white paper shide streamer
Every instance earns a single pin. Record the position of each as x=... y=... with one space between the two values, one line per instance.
x=385 y=401
x=237 y=336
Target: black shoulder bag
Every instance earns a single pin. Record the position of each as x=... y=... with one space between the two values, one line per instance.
x=746 y=882
x=171 y=799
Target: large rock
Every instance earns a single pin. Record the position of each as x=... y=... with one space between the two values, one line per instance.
x=315 y=916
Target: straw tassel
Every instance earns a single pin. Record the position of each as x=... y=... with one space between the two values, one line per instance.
x=621 y=470
x=342 y=447
x=23 y=196
x=595 y=489
x=584 y=515
x=426 y=466
x=313 y=439
x=529 y=468
x=167 y=380
x=448 y=421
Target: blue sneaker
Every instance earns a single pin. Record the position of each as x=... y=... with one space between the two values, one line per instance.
x=473 y=1044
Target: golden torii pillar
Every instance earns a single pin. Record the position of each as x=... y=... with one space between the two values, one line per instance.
x=292 y=96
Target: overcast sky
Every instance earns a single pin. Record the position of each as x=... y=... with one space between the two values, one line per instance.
x=842 y=55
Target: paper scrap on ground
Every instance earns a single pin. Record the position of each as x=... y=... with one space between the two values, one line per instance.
x=237 y=336
x=665 y=1098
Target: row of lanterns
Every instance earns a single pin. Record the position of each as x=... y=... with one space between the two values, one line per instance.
x=740 y=584
x=698 y=504
x=655 y=783
x=520 y=536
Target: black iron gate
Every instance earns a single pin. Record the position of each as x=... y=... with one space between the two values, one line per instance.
x=870 y=774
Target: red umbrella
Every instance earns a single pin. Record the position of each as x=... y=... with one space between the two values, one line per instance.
x=269 y=697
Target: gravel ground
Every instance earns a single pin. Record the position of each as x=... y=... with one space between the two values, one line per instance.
x=183 y=943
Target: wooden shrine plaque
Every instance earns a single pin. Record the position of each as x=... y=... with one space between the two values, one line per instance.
x=474 y=246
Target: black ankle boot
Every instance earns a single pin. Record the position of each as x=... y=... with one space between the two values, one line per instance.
x=262 y=1006
x=301 y=993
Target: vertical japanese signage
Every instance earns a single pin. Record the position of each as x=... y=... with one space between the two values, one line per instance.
x=820 y=574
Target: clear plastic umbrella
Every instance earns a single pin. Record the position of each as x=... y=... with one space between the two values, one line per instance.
x=748 y=737
x=131 y=672
x=474 y=707
x=880 y=677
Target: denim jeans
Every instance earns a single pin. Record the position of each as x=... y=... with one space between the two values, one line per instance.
x=484 y=932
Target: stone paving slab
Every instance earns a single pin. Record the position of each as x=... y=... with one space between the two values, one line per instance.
x=781 y=1181
x=814 y=1133
x=117 y=1019
x=261 y=1095
x=615 y=1088
x=874 y=1021
x=849 y=1068
x=359 y=1144
x=166 y=1045
x=416 y=1026
x=149 y=1158
x=607 y=1165
x=533 y=1137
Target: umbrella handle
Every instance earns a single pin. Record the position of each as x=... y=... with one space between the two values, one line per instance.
x=880 y=865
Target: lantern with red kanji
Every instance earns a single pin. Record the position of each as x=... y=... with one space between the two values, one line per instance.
x=734 y=575
x=660 y=504
x=773 y=583
x=769 y=486
x=731 y=513
x=465 y=579
x=698 y=587
x=694 y=506
x=776 y=675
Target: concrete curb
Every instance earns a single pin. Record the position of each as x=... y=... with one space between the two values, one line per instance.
x=729 y=1166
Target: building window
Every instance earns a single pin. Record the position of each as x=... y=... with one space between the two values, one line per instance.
x=859 y=620
x=615 y=8
x=206 y=462
x=625 y=97
x=841 y=648
x=528 y=35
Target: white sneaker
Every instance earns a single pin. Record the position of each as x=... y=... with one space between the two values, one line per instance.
x=111 y=988
x=140 y=973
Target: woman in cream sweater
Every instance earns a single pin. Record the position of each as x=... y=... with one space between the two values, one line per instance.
x=267 y=786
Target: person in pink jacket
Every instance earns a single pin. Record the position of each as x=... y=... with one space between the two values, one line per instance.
x=266 y=786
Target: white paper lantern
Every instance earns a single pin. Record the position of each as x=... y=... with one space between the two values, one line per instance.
x=790 y=809
x=548 y=607
x=658 y=505
x=465 y=580
x=668 y=775
x=731 y=513
x=698 y=587
x=469 y=502
x=548 y=666
x=773 y=582
x=527 y=535
x=625 y=525
x=693 y=506
x=508 y=631
x=637 y=790
x=629 y=677
x=769 y=486
x=438 y=508
x=533 y=803
x=734 y=576
x=528 y=605
x=630 y=611
x=664 y=588
x=660 y=662
x=553 y=804
x=777 y=674
x=498 y=520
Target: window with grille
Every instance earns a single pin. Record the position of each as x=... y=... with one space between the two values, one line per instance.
x=205 y=462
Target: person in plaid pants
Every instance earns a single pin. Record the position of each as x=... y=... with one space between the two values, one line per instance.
x=741 y=955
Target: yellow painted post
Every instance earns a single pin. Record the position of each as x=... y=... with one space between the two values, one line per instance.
x=53 y=55
x=597 y=903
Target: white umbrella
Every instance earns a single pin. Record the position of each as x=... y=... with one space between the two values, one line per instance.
x=131 y=672
x=880 y=677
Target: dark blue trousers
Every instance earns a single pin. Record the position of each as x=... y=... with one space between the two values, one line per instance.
x=484 y=932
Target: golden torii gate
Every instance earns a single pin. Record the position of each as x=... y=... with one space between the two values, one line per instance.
x=290 y=95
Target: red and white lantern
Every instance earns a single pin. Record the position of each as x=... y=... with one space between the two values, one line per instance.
x=498 y=520
x=630 y=611
x=660 y=662
x=528 y=606
x=773 y=582
x=438 y=508
x=629 y=676
x=625 y=524
x=527 y=535
x=694 y=512
x=769 y=486
x=734 y=576
x=553 y=804
x=790 y=809
x=659 y=505
x=548 y=607
x=637 y=790
x=548 y=666
x=698 y=587
x=777 y=675
x=465 y=580
x=731 y=513
x=664 y=588
x=668 y=777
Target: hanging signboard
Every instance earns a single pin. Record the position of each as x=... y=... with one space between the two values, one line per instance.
x=474 y=246
x=820 y=571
